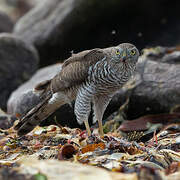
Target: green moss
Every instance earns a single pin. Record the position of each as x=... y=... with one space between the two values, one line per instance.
x=40 y=176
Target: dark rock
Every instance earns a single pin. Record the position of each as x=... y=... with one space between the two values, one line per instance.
x=6 y=23
x=159 y=90
x=58 y=27
x=21 y=103
x=18 y=62
x=164 y=54
x=16 y=8
x=23 y=98
x=6 y=120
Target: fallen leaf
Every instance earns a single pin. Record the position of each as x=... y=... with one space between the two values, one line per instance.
x=92 y=147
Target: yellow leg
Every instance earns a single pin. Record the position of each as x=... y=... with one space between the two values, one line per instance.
x=101 y=133
x=87 y=127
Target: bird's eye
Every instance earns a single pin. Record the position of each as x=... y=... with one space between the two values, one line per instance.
x=133 y=52
x=117 y=52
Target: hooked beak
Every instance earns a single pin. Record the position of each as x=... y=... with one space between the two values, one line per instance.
x=124 y=56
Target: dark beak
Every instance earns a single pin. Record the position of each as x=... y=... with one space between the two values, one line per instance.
x=124 y=59
x=124 y=56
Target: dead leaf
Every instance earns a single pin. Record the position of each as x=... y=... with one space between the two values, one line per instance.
x=92 y=147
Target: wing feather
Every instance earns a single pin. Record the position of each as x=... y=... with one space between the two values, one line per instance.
x=75 y=69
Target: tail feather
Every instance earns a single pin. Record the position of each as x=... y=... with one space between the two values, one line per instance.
x=30 y=113
x=49 y=103
x=40 y=112
x=33 y=117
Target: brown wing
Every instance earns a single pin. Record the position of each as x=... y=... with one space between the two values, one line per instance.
x=75 y=69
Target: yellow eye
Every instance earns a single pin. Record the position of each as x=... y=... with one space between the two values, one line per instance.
x=133 y=52
x=117 y=52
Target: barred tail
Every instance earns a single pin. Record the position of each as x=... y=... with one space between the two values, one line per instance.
x=33 y=117
x=50 y=102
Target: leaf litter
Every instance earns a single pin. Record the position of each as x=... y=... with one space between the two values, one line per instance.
x=56 y=152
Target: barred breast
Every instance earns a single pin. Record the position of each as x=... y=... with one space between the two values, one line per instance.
x=105 y=79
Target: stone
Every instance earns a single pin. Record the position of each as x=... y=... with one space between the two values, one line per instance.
x=170 y=55
x=6 y=120
x=19 y=61
x=16 y=8
x=159 y=89
x=6 y=23
x=23 y=98
x=58 y=27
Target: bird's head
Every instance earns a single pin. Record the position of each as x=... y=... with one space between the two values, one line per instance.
x=125 y=53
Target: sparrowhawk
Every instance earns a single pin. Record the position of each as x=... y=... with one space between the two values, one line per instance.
x=91 y=76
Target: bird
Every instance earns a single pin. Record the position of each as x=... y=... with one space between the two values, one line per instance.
x=91 y=77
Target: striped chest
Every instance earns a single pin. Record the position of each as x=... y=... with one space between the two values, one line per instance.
x=104 y=77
